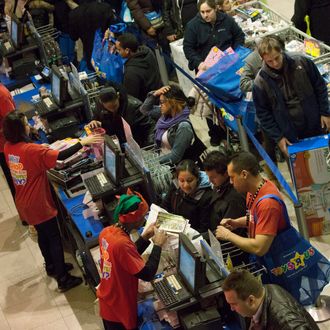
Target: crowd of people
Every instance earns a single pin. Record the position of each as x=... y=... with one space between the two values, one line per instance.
x=227 y=195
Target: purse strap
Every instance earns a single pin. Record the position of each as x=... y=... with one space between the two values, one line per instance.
x=285 y=211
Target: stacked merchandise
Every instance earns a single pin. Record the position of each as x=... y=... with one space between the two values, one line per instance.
x=256 y=19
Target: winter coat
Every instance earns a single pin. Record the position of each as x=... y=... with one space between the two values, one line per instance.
x=140 y=7
x=176 y=15
x=301 y=74
x=201 y=36
x=141 y=74
x=226 y=202
x=180 y=136
x=85 y=20
x=195 y=207
x=281 y=311
x=142 y=126
x=318 y=12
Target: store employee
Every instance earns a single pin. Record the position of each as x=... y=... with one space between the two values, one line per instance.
x=122 y=264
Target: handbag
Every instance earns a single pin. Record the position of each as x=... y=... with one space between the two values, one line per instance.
x=293 y=263
x=156 y=19
x=197 y=150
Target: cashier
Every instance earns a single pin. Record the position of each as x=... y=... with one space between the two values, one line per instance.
x=28 y=163
x=122 y=264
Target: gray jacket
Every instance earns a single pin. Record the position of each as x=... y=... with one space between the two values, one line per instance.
x=252 y=66
x=180 y=136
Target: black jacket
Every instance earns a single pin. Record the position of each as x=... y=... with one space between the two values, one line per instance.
x=176 y=15
x=200 y=37
x=195 y=208
x=226 y=202
x=142 y=127
x=318 y=12
x=281 y=311
x=302 y=75
x=85 y=20
x=141 y=74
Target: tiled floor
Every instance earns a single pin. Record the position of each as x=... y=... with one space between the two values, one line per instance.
x=29 y=299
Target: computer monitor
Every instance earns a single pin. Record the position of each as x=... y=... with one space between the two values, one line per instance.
x=16 y=31
x=59 y=86
x=215 y=268
x=113 y=160
x=190 y=267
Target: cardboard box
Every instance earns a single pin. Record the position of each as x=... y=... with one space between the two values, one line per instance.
x=311 y=175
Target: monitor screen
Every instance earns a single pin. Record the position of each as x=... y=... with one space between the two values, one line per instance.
x=187 y=266
x=14 y=33
x=56 y=88
x=110 y=162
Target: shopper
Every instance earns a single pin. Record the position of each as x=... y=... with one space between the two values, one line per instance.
x=226 y=202
x=28 y=163
x=174 y=133
x=190 y=195
x=139 y=8
x=318 y=12
x=85 y=20
x=122 y=265
x=224 y=6
x=7 y=105
x=207 y=29
x=141 y=72
x=176 y=14
x=268 y=306
x=290 y=96
x=114 y=106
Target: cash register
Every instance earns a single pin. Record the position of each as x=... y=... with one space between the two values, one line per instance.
x=59 y=86
x=118 y=172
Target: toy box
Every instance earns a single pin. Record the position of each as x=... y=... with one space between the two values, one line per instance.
x=311 y=176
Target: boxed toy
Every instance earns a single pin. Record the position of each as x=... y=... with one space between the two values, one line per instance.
x=311 y=175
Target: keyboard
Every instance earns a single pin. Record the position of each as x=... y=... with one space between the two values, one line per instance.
x=98 y=184
x=170 y=291
x=46 y=106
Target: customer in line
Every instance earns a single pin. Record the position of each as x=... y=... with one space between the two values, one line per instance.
x=28 y=163
x=114 y=106
x=290 y=96
x=209 y=28
x=122 y=265
x=141 y=72
x=174 y=133
x=190 y=195
x=269 y=306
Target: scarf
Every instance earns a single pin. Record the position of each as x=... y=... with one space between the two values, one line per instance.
x=164 y=123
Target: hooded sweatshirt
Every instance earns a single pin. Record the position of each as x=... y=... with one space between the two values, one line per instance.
x=141 y=73
x=195 y=207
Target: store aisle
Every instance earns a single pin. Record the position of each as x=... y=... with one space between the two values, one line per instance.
x=28 y=297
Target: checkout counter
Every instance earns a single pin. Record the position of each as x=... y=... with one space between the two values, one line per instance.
x=139 y=169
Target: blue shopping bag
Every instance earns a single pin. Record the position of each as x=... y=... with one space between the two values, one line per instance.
x=97 y=52
x=105 y=60
x=293 y=263
x=222 y=79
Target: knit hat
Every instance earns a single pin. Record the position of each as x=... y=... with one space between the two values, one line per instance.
x=131 y=208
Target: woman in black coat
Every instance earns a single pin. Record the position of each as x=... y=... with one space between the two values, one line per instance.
x=190 y=195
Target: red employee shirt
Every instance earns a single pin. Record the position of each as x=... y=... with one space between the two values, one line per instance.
x=269 y=213
x=28 y=163
x=118 y=288
x=7 y=105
